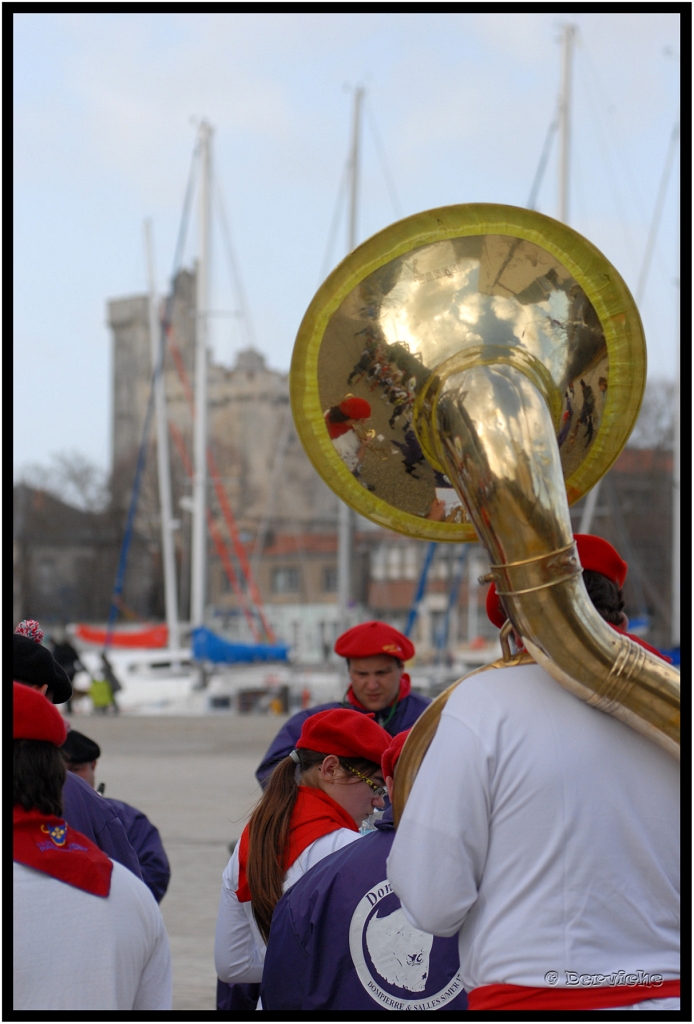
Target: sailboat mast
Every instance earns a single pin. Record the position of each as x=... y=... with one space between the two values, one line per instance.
x=167 y=544
x=199 y=545
x=346 y=516
x=568 y=35
x=567 y=40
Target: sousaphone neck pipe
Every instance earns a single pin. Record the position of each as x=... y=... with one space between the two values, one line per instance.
x=493 y=435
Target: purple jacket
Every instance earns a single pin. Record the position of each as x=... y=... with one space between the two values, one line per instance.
x=145 y=840
x=340 y=942
x=406 y=713
x=93 y=816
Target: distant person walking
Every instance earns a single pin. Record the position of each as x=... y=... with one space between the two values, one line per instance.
x=104 y=688
x=67 y=657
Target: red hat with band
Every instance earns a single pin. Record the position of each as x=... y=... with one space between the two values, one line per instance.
x=35 y=718
x=355 y=408
x=371 y=638
x=344 y=733
x=392 y=754
x=595 y=554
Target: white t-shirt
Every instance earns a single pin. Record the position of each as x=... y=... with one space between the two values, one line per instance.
x=239 y=950
x=77 y=951
x=347 y=447
x=546 y=833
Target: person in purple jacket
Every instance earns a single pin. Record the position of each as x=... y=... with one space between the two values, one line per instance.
x=81 y=754
x=84 y=810
x=375 y=654
x=340 y=941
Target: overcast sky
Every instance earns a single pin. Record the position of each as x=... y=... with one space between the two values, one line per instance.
x=104 y=132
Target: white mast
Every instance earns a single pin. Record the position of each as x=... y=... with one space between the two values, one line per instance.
x=199 y=545
x=167 y=545
x=346 y=516
x=568 y=34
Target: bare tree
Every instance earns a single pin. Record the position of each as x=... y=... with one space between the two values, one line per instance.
x=654 y=427
x=71 y=477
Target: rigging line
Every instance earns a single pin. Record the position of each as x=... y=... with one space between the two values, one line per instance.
x=640 y=578
x=235 y=270
x=280 y=452
x=601 y=93
x=216 y=536
x=185 y=215
x=132 y=508
x=335 y=221
x=390 y=182
x=541 y=167
x=149 y=414
x=237 y=543
x=456 y=580
x=581 y=204
x=657 y=212
x=604 y=148
x=421 y=587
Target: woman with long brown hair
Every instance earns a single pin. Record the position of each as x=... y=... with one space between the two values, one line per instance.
x=314 y=803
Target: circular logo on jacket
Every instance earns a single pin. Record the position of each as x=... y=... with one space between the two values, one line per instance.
x=400 y=967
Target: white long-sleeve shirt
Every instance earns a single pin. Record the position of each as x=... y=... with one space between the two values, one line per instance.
x=239 y=950
x=76 y=951
x=546 y=833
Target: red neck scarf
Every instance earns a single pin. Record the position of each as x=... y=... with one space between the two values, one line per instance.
x=337 y=429
x=642 y=643
x=48 y=844
x=405 y=688
x=512 y=998
x=315 y=814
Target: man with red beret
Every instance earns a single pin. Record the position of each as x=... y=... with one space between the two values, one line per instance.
x=375 y=654
x=340 y=420
x=604 y=573
x=375 y=960
x=552 y=848
x=69 y=894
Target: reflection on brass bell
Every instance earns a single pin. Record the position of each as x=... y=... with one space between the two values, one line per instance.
x=501 y=358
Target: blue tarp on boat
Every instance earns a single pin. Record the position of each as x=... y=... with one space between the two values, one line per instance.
x=207 y=646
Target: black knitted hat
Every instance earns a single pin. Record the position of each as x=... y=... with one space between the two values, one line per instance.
x=36 y=666
x=79 y=749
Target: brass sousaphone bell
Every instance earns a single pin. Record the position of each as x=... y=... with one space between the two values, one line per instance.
x=503 y=360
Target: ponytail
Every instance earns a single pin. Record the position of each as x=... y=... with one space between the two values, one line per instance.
x=268 y=831
x=269 y=827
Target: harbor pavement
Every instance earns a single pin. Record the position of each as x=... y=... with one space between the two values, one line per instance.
x=193 y=778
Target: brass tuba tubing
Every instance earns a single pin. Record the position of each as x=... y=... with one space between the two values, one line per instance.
x=495 y=437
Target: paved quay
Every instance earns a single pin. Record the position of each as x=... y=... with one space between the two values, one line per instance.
x=193 y=778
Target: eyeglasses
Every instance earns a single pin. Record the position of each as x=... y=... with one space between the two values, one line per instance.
x=378 y=790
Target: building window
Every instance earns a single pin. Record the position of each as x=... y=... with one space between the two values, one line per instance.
x=410 y=571
x=329 y=579
x=285 y=581
x=394 y=563
x=378 y=563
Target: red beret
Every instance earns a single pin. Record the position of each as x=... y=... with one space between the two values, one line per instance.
x=390 y=758
x=372 y=638
x=35 y=718
x=495 y=612
x=595 y=554
x=355 y=408
x=345 y=733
